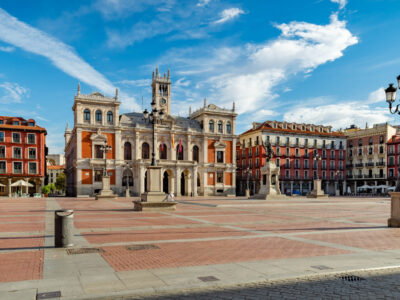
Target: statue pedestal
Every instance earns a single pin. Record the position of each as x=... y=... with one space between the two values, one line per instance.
x=269 y=188
x=154 y=198
x=394 y=220
x=247 y=193
x=317 y=192
x=106 y=192
x=127 y=193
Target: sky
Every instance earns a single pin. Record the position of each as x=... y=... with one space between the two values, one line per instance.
x=313 y=61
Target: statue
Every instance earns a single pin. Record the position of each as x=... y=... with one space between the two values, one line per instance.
x=269 y=152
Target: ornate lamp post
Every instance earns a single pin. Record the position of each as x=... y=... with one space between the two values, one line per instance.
x=317 y=191
x=127 y=192
x=105 y=148
x=106 y=192
x=317 y=158
x=153 y=118
x=247 y=174
x=390 y=98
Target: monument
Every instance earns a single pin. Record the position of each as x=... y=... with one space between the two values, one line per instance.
x=105 y=192
x=394 y=220
x=269 y=188
x=317 y=192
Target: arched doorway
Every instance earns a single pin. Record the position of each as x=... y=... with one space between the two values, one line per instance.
x=145 y=181
x=198 y=180
x=127 y=178
x=166 y=183
x=183 y=190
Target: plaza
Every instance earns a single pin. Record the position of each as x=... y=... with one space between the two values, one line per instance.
x=208 y=244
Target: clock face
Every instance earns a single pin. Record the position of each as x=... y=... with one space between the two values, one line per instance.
x=163 y=101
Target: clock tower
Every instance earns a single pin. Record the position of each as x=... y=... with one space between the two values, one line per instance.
x=161 y=92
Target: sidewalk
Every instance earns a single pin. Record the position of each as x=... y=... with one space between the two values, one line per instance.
x=205 y=243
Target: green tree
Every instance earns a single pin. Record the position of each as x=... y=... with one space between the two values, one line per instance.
x=52 y=187
x=60 y=182
x=45 y=189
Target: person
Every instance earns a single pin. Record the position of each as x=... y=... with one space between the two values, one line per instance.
x=171 y=197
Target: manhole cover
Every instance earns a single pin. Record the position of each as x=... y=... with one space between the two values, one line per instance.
x=84 y=251
x=48 y=295
x=141 y=247
x=321 y=267
x=208 y=278
x=351 y=278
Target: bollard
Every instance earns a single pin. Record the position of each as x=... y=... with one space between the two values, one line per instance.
x=63 y=228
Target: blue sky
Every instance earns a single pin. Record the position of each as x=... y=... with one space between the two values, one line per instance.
x=313 y=61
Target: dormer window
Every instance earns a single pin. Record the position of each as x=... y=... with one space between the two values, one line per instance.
x=31 y=124
x=15 y=122
x=1 y=121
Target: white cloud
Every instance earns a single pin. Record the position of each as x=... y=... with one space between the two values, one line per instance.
x=377 y=96
x=182 y=82
x=342 y=3
x=12 y=93
x=30 y=39
x=229 y=14
x=6 y=49
x=203 y=2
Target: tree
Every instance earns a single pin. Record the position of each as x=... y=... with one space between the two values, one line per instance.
x=52 y=187
x=60 y=182
x=45 y=189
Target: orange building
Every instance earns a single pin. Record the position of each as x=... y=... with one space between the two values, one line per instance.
x=22 y=154
x=196 y=152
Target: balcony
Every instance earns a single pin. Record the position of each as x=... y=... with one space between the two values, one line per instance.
x=341 y=147
x=341 y=168
x=349 y=165
x=333 y=156
x=358 y=176
x=324 y=156
x=349 y=176
x=391 y=164
x=297 y=166
x=379 y=176
x=306 y=166
x=391 y=177
x=323 y=168
x=369 y=164
x=380 y=164
x=359 y=165
x=341 y=157
x=368 y=176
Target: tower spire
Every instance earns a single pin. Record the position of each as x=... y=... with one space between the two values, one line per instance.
x=205 y=102
x=79 y=89
x=116 y=94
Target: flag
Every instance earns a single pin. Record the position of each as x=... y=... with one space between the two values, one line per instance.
x=180 y=145
x=172 y=141
x=162 y=143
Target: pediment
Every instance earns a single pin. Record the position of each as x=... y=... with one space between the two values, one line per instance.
x=98 y=137
x=219 y=144
x=97 y=94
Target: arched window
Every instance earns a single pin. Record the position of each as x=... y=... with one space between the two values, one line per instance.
x=220 y=126
x=127 y=178
x=127 y=151
x=145 y=151
x=179 y=152
x=98 y=116
x=110 y=117
x=195 y=153
x=163 y=151
x=86 y=116
x=211 y=126
x=228 y=127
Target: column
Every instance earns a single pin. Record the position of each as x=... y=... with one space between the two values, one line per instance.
x=188 y=183
x=344 y=187
x=301 y=187
x=9 y=187
x=194 y=182
x=205 y=151
x=137 y=154
x=141 y=178
x=26 y=188
x=336 y=187
x=178 y=182
x=189 y=149
x=355 y=187
x=118 y=151
x=291 y=187
x=309 y=186
x=79 y=143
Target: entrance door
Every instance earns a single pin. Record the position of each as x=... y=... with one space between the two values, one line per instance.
x=165 y=183
x=183 y=192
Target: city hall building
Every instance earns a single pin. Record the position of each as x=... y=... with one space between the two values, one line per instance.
x=197 y=153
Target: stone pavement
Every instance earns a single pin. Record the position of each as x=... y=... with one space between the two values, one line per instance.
x=205 y=243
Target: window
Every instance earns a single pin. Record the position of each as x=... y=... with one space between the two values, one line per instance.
x=381 y=139
x=220 y=126
x=220 y=156
x=370 y=150
x=380 y=149
x=257 y=174
x=32 y=168
x=211 y=126
x=97 y=175
x=17 y=167
x=145 y=151
x=86 y=116
x=98 y=116
x=163 y=151
x=287 y=174
x=17 y=152
x=97 y=151
x=315 y=174
x=287 y=165
x=315 y=143
x=296 y=163
x=296 y=174
x=2 y=151
x=1 y=121
x=110 y=117
x=359 y=151
x=257 y=151
x=360 y=142
x=332 y=153
x=332 y=164
x=306 y=163
x=196 y=153
x=16 y=137
x=32 y=153
x=278 y=151
x=306 y=174
x=15 y=122
x=31 y=138
x=370 y=141
x=228 y=127
x=31 y=124
x=257 y=162
x=220 y=177
x=391 y=160
x=287 y=152
x=332 y=145
x=3 y=167
x=127 y=151
x=277 y=139
x=315 y=153
x=297 y=152
x=179 y=152
x=2 y=139
x=278 y=162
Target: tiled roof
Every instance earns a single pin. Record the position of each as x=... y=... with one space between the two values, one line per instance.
x=58 y=167
x=8 y=124
x=394 y=139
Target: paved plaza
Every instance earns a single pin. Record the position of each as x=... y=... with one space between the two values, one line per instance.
x=225 y=247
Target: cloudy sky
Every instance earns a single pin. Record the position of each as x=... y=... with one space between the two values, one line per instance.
x=312 y=61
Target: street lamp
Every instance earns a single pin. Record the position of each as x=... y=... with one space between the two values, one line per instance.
x=316 y=159
x=390 y=98
x=154 y=117
x=105 y=148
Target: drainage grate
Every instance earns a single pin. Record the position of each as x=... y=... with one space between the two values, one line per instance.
x=48 y=295
x=141 y=247
x=84 y=251
x=351 y=278
x=208 y=278
x=321 y=267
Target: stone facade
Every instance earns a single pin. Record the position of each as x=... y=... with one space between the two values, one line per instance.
x=196 y=153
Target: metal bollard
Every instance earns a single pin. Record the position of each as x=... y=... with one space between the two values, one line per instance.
x=63 y=228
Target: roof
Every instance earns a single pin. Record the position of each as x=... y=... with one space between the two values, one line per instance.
x=8 y=124
x=57 y=167
x=265 y=126
x=394 y=139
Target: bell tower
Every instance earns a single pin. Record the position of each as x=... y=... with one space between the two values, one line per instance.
x=161 y=92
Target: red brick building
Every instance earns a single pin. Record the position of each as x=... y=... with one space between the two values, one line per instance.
x=295 y=146
x=22 y=154
x=393 y=159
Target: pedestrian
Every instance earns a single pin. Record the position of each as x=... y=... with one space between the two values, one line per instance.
x=171 y=197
